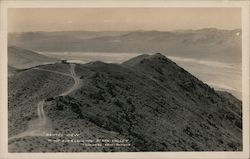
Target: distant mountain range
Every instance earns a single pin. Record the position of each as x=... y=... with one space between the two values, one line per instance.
x=210 y=43
x=149 y=100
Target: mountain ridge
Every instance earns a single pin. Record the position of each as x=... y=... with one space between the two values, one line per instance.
x=148 y=100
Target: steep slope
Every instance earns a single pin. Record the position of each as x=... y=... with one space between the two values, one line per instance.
x=229 y=97
x=135 y=60
x=25 y=89
x=150 y=101
x=21 y=58
x=46 y=83
x=157 y=105
x=28 y=87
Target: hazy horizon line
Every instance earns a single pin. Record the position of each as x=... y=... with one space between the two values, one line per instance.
x=141 y=30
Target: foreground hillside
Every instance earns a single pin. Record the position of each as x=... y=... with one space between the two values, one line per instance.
x=26 y=88
x=149 y=100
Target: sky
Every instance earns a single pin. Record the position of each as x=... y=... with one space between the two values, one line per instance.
x=121 y=19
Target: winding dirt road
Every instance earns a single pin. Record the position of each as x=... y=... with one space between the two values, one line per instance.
x=76 y=80
x=39 y=126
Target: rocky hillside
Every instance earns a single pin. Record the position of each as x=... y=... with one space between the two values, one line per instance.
x=150 y=101
x=26 y=88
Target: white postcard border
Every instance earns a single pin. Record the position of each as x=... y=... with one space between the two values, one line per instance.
x=4 y=5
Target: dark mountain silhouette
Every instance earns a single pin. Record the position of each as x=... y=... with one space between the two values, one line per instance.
x=149 y=100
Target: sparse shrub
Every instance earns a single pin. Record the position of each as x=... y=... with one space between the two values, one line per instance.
x=30 y=149
x=233 y=145
x=129 y=100
x=238 y=124
x=195 y=146
x=59 y=106
x=118 y=103
x=188 y=131
x=220 y=141
x=230 y=116
x=159 y=70
x=119 y=77
x=111 y=89
x=49 y=99
x=98 y=96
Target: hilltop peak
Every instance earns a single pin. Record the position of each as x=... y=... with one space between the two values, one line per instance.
x=139 y=59
x=157 y=55
x=135 y=60
x=96 y=63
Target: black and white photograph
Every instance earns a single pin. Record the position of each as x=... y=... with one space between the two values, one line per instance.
x=124 y=79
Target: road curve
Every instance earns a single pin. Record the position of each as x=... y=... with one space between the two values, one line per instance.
x=39 y=126
x=76 y=80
